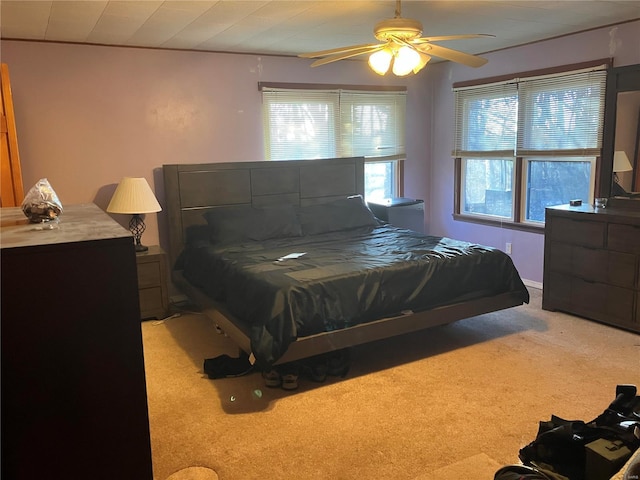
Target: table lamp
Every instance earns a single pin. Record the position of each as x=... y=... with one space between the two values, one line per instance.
x=134 y=196
x=621 y=162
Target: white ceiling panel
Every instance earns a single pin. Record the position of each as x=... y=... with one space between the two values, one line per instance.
x=120 y=20
x=72 y=21
x=26 y=20
x=282 y=27
x=167 y=21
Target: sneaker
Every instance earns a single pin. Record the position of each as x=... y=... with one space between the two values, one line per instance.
x=289 y=375
x=315 y=368
x=289 y=381
x=339 y=363
x=272 y=378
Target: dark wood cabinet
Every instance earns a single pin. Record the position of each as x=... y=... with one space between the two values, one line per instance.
x=592 y=263
x=74 y=402
x=152 y=283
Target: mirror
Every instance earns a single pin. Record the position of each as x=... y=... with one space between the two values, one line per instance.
x=620 y=167
x=625 y=156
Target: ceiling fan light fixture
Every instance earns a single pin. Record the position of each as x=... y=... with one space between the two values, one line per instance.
x=424 y=59
x=405 y=60
x=404 y=28
x=403 y=49
x=380 y=61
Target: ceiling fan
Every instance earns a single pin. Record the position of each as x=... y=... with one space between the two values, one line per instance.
x=402 y=45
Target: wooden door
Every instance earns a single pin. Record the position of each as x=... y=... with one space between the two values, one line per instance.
x=11 y=189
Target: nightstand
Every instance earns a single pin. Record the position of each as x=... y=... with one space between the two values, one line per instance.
x=400 y=212
x=152 y=283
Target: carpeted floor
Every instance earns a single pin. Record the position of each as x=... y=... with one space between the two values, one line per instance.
x=448 y=403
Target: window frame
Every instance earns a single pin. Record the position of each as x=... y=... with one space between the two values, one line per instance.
x=526 y=161
x=397 y=159
x=520 y=168
x=489 y=216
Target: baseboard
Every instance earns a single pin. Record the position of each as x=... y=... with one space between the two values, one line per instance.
x=532 y=284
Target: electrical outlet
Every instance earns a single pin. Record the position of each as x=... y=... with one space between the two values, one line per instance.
x=508 y=248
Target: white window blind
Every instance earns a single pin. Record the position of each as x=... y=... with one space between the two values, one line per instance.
x=302 y=123
x=486 y=121
x=372 y=124
x=562 y=115
x=551 y=115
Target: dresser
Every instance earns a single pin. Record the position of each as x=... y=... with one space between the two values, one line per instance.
x=592 y=263
x=74 y=402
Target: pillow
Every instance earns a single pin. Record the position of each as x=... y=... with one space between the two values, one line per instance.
x=196 y=234
x=343 y=214
x=240 y=223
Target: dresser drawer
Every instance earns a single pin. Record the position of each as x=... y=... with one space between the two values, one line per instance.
x=152 y=303
x=559 y=257
x=591 y=264
x=151 y=300
x=602 y=302
x=594 y=300
x=149 y=274
x=577 y=232
x=614 y=268
x=557 y=292
x=624 y=238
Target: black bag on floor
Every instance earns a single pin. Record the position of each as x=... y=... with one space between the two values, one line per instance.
x=561 y=446
x=519 y=472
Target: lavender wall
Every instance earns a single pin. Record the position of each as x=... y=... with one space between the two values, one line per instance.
x=622 y=43
x=89 y=115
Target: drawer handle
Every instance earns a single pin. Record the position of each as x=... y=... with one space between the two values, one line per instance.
x=586 y=280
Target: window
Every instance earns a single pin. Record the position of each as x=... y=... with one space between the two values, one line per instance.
x=317 y=123
x=528 y=143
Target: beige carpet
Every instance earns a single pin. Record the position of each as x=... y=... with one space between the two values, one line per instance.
x=448 y=403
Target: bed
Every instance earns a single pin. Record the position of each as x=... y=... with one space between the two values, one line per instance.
x=289 y=262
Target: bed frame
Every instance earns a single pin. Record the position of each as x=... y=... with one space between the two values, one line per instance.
x=193 y=189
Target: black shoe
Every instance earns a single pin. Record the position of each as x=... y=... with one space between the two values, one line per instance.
x=224 y=366
x=338 y=363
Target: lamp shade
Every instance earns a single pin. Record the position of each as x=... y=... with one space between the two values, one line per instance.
x=380 y=61
x=406 y=59
x=621 y=162
x=133 y=196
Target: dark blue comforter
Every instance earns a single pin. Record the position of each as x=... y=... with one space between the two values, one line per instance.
x=342 y=279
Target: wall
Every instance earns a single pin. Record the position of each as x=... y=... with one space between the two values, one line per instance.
x=620 y=42
x=89 y=115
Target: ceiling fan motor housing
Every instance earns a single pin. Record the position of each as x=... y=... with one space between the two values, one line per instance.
x=403 y=28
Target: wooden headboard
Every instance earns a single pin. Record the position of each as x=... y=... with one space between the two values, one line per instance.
x=193 y=189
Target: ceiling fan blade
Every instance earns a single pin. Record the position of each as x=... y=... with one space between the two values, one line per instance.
x=324 y=53
x=453 y=55
x=352 y=53
x=451 y=37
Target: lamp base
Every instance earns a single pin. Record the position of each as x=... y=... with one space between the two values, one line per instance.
x=137 y=227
